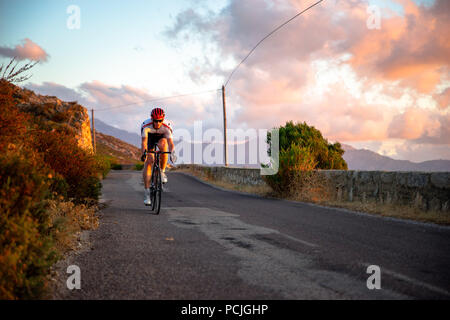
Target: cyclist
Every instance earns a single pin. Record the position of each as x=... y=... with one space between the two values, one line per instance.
x=155 y=131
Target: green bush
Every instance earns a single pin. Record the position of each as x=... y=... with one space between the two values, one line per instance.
x=116 y=166
x=296 y=164
x=302 y=149
x=139 y=166
x=327 y=155
x=103 y=164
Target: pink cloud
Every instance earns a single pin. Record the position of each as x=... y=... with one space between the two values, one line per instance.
x=28 y=50
x=443 y=99
x=412 y=48
x=406 y=59
x=420 y=125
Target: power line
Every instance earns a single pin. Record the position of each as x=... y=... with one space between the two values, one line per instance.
x=158 y=99
x=272 y=32
x=229 y=77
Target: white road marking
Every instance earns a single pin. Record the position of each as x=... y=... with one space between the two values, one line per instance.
x=306 y=243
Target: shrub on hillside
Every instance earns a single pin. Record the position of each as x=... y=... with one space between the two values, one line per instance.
x=39 y=160
x=13 y=123
x=68 y=219
x=25 y=241
x=78 y=167
x=103 y=164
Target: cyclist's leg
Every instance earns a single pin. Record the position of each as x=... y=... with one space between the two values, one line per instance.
x=163 y=146
x=147 y=174
x=147 y=171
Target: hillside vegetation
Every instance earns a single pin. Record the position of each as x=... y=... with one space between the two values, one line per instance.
x=49 y=184
x=116 y=150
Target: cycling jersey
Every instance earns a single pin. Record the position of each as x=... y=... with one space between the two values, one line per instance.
x=154 y=135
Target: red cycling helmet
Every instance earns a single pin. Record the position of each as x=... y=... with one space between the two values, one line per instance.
x=157 y=114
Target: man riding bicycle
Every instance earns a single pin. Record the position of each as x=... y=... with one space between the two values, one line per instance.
x=155 y=132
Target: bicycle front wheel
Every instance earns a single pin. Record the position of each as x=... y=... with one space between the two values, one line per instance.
x=153 y=189
x=158 y=191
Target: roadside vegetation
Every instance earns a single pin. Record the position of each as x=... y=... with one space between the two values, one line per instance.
x=49 y=188
x=304 y=151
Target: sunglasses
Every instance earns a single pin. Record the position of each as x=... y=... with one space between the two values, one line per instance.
x=157 y=120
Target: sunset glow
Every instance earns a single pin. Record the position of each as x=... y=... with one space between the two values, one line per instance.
x=386 y=89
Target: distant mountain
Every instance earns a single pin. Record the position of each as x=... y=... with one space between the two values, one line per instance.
x=121 y=152
x=362 y=159
x=129 y=137
x=357 y=159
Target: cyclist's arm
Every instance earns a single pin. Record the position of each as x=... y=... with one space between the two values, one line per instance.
x=169 y=138
x=144 y=144
x=171 y=145
x=144 y=137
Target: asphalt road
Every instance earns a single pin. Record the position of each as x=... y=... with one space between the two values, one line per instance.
x=208 y=243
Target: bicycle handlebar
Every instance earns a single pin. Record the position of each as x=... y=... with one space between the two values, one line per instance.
x=158 y=152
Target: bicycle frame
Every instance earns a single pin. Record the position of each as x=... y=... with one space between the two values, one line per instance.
x=156 y=185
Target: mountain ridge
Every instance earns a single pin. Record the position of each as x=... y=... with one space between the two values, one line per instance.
x=357 y=159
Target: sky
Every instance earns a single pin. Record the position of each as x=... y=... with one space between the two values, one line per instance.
x=371 y=74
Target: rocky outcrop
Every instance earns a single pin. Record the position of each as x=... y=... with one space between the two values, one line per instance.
x=56 y=112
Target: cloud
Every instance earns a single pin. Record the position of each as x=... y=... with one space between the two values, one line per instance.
x=126 y=107
x=28 y=50
x=53 y=89
x=106 y=96
x=412 y=48
x=418 y=152
x=415 y=124
x=415 y=130
x=443 y=99
x=328 y=68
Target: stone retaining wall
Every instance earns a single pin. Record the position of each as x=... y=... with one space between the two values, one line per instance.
x=425 y=190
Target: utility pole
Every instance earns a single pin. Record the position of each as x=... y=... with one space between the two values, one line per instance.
x=225 y=154
x=93 y=131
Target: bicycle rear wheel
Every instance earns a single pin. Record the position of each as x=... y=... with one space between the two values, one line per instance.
x=158 y=190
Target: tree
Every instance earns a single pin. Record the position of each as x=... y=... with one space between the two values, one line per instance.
x=324 y=154
x=302 y=149
x=17 y=76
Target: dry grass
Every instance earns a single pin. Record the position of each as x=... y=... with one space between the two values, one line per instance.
x=393 y=211
x=314 y=188
x=262 y=190
x=68 y=221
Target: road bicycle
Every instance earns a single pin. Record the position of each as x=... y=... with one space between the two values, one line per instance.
x=156 y=184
